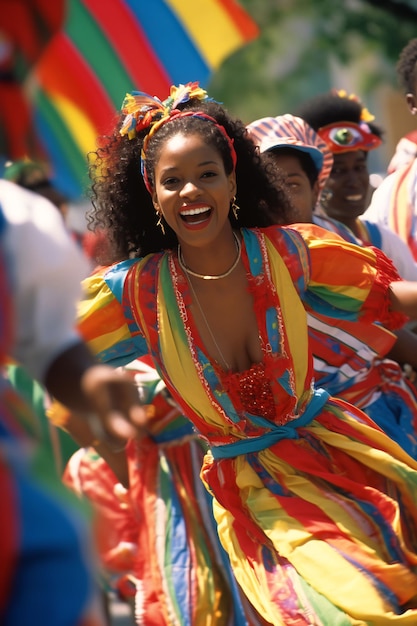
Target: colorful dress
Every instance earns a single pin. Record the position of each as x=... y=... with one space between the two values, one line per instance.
x=378 y=235
x=315 y=505
x=350 y=362
x=334 y=226
x=160 y=534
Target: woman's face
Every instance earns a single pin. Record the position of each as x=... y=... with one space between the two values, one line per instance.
x=303 y=195
x=192 y=189
x=349 y=186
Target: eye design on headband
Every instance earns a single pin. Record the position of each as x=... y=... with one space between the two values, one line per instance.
x=345 y=136
x=348 y=136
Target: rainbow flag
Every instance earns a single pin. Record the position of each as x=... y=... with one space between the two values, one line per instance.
x=108 y=48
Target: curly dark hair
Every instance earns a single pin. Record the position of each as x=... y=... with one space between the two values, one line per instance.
x=330 y=108
x=407 y=67
x=123 y=208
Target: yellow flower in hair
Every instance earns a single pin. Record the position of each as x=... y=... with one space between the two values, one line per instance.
x=366 y=116
x=342 y=93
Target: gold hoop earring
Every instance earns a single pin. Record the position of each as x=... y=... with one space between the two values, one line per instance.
x=160 y=223
x=235 y=208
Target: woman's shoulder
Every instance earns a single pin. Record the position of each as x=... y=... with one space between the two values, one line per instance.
x=127 y=265
x=115 y=276
x=281 y=244
x=312 y=233
x=276 y=233
x=112 y=272
x=297 y=235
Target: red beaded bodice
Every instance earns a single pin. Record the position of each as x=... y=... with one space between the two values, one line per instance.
x=251 y=390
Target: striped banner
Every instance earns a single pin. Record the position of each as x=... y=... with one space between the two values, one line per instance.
x=110 y=47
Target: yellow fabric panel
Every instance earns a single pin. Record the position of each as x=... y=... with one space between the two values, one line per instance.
x=294 y=317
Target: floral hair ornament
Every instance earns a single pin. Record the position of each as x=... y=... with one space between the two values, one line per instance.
x=347 y=137
x=366 y=116
x=147 y=112
x=144 y=111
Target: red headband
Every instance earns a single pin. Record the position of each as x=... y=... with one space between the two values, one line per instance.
x=175 y=114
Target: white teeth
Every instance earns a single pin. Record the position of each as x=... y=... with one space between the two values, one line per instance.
x=354 y=198
x=195 y=211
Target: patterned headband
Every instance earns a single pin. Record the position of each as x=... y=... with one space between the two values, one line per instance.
x=146 y=112
x=343 y=137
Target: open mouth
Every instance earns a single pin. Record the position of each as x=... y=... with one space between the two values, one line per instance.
x=196 y=216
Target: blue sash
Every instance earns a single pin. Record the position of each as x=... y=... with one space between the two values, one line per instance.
x=286 y=431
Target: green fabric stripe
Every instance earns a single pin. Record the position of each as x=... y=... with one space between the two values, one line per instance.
x=45 y=466
x=170 y=302
x=76 y=160
x=327 y=612
x=98 y=53
x=339 y=300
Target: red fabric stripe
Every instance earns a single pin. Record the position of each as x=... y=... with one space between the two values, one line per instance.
x=64 y=71
x=9 y=524
x=246 y=25
x=30 y=25
x=143 y=461
x=131 y=45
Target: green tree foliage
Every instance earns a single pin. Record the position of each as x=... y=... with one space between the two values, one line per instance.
x=301 y=39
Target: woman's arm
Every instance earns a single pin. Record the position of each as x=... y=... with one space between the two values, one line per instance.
x=404 y=351
x=403 y=298
x=88 y=388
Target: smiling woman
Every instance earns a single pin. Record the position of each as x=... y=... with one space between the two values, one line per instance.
x=218 y=298
x=195 y=191
x=347 y=128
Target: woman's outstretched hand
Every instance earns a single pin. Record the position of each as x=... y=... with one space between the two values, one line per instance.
x=115 y=410
x=100 y=406
x=105 y=398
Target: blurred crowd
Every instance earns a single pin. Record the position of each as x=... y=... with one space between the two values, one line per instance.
x=108 y=514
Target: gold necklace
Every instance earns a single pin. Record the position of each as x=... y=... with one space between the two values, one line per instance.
x=207 y=324
x=186 y=269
